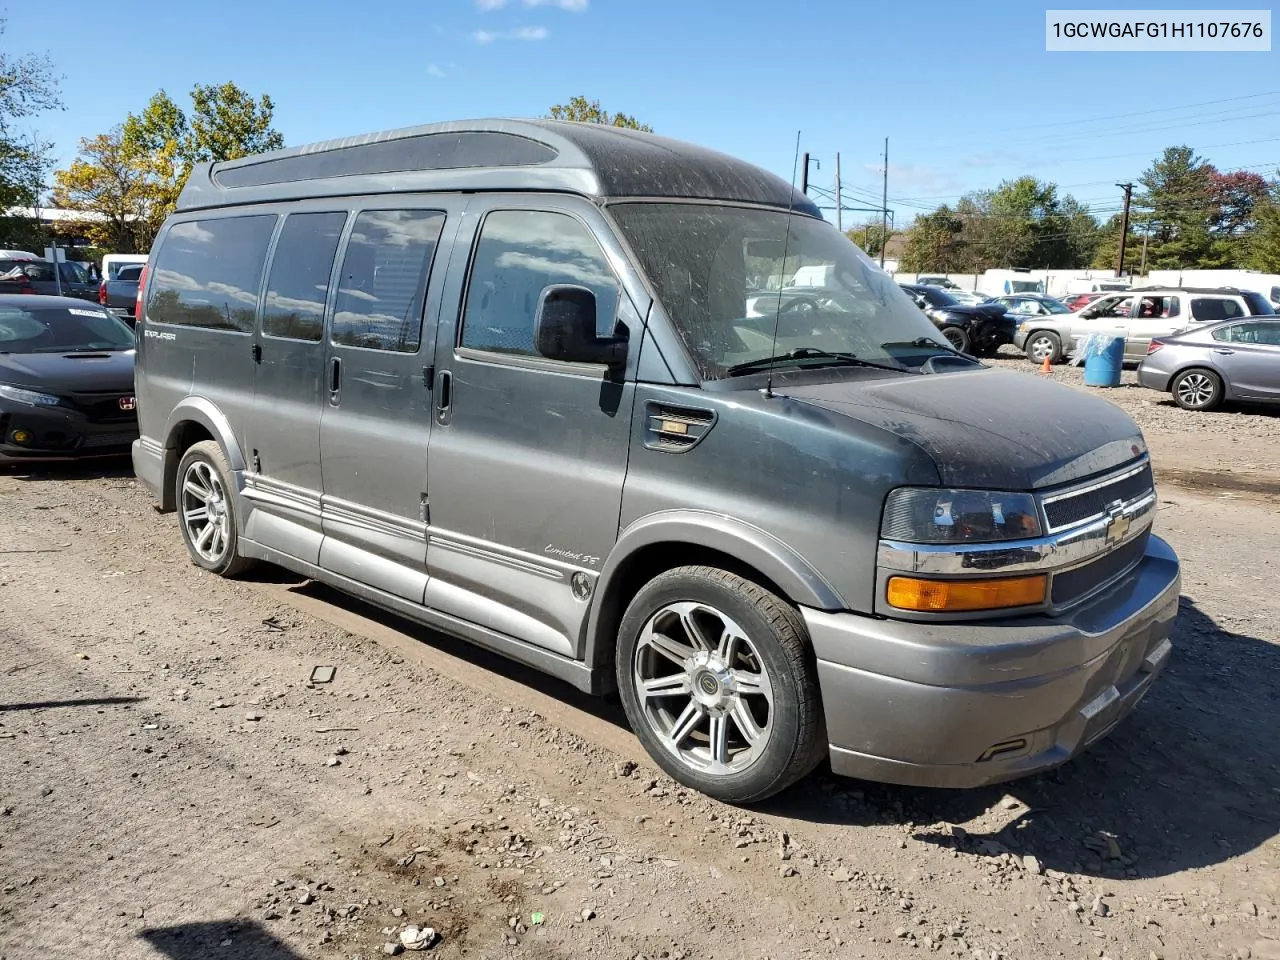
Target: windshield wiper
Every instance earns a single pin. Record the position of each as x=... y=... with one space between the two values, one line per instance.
x=830 y=358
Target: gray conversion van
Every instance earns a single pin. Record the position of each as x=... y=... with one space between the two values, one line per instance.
x=535 y=384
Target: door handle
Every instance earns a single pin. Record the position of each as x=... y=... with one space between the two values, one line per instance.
x=335 y=379
x=444 y=397
x=1223 y=350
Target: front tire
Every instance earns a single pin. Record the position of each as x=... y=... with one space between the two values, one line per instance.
x=717 y=680
x=957 y=337
x=207 y=510
x=1044 y=343
x=1197 y=389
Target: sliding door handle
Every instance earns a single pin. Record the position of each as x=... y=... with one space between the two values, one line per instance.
x=444 y=397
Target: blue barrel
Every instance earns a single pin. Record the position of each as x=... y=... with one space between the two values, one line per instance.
x=1103 y=362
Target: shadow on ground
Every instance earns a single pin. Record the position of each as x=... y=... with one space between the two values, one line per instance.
x=94 y=468
x=1190 y=779
x=607 y=708
x=242 y=939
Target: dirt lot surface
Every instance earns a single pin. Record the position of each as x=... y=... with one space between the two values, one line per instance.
x=173 y=786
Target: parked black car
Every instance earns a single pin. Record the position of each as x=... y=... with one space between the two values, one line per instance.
x=66 y=380
x=35 y=276
x=120 y=296
x=981 y=329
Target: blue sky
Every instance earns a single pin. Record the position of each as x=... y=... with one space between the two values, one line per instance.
x=965 y=92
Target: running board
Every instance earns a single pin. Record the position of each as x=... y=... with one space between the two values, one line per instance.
x=572 y=672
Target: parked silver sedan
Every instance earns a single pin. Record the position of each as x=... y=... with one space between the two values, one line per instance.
x=1231 y=360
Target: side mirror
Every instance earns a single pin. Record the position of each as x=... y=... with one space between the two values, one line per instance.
x=565 y=328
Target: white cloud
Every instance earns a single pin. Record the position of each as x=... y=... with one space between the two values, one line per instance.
x=524 y=33
x=484 y=6
x=436 y=71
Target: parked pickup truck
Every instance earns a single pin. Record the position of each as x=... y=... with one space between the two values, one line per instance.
x=120 y=295
x=36 y=276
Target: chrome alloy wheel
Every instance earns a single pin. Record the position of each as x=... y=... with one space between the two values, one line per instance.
x=204 y=511
x=1195 y=389
x=703 y=689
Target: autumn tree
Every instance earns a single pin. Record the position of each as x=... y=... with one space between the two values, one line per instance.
x=582 y=110
x=131 y=176
x=111 y=181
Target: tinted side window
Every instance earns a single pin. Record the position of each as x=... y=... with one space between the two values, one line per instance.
x=298 y=284
x=384 y=279
x=208 y=273
x=1208 y=310
x=520 y=252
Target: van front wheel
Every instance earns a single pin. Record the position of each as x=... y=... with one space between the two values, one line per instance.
x=207 y=510
x=717 y=680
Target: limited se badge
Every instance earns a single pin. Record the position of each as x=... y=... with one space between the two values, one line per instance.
x=127 y=403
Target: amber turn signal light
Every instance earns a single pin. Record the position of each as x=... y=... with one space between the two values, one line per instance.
x=951 y=596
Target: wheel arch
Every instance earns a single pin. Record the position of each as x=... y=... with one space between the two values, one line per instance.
x=192 y=420
x=680 y=538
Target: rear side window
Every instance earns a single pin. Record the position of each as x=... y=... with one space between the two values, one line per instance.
x=521 y=252
x=208 y=273
x=384 y=279
x=298 y=284
x=1210 y=309
x=1266 y=334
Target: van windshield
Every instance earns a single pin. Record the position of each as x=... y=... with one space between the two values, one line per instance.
x=723 y=277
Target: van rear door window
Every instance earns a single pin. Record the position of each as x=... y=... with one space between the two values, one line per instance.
x=298 y=284
x=384 y=279
x=208 y=273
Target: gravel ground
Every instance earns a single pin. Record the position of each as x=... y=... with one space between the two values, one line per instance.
x=173 y=786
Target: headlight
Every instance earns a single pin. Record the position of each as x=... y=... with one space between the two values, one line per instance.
x=28 y=396
x=929 y=515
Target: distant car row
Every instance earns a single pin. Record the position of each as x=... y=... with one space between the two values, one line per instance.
x=26 y=273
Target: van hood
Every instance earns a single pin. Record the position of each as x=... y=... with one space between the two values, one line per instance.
x=994 y=429
x=60 y=373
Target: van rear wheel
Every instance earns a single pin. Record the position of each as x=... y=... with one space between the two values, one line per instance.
x=717 y=680
x=207 y=510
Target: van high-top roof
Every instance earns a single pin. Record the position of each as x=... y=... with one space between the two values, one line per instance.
x=492 y=155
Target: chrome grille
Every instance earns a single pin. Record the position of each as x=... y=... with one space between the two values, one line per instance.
x=1071 y=586
x=1067 y=509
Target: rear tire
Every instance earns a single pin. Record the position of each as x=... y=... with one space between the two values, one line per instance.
x=957 y=337
x=717 y=679
x=207 y=510
x=1197 y=389
x=1044 y=343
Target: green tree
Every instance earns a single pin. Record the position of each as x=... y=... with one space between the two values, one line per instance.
x=28 y=87
x=869 y=236
x=930 y=242
x=1263 y=251
x=1177 y=200
x=582 y=110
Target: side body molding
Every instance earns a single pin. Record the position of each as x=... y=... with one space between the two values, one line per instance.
x=742 y=541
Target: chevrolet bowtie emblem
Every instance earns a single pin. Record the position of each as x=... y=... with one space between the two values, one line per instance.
x=1118 y=523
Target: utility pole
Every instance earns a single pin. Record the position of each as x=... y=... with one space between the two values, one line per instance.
x=1124 y=226
x=1146 y=232
x=884 y=217
x=839 y=204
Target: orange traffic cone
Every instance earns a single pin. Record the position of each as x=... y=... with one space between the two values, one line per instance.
x=1046 y=367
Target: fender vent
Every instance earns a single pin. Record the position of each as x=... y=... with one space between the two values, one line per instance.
x=675 y=429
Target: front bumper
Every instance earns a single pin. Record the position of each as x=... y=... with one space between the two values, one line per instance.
x=968 y=704
x=61 y=433
x=994 y=333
